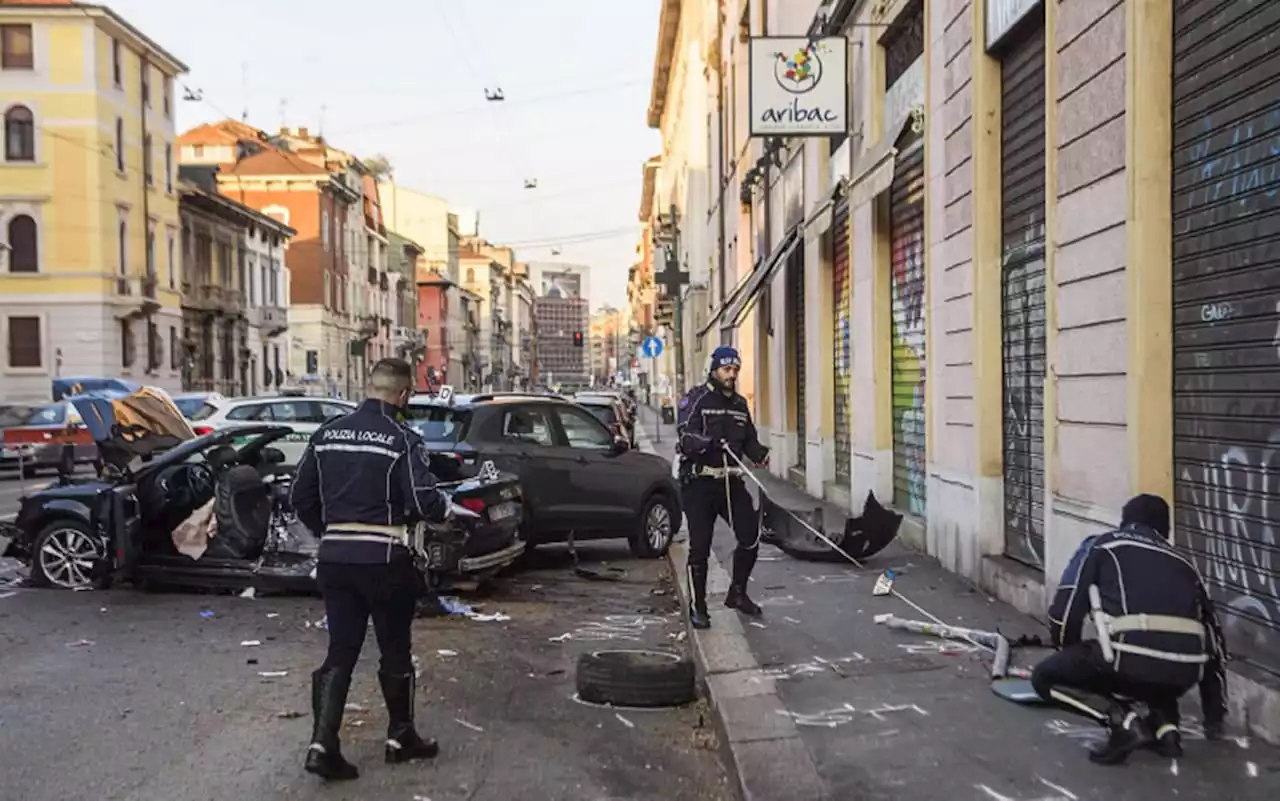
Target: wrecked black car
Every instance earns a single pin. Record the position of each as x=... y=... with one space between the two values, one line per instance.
x=174 y=509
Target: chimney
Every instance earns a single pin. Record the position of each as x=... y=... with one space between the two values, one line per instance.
x=302 y=133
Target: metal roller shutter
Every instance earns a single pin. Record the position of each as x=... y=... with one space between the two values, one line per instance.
x=840 y=289
x=1226 y=293
x=906 y=232
x=1023 y=293
x=796 y=267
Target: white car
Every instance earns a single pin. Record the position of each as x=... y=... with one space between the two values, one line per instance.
x=303 y=414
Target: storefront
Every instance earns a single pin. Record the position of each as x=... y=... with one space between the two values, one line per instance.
x=1226 y=297
x=1021 y=51
x=841 y=294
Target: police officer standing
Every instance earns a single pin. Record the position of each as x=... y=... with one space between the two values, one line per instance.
x=1157 y=637
x=361 y=482
x=714 y=421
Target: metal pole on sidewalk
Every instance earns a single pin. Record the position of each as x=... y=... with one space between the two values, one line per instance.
x=653 y=382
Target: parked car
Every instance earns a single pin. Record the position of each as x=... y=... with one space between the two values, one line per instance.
x=37 y=443
x=79 y=533
x=577 y=475
x=612 y=413
x=301 y=414
x=195 y=405
x=65 y=387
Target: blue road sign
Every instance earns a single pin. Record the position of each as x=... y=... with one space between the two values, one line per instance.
x=652 y=347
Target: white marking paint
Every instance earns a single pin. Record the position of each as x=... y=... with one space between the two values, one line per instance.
x=1063 y=794
x=841 y=579
x=471 y=726
x=938 y=648
x=1251 y=769
x=847 y=713
x=1088 y=735
x=816 y=667
x=781 y=600
x=624 y=721
x=629 y=628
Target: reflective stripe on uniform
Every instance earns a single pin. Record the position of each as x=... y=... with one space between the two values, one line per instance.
x=1164 y=624
x=1167 y=656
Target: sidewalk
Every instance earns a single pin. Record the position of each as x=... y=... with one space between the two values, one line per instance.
x=818 y=702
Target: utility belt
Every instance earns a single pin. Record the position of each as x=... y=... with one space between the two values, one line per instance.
x=367 y=532
x=1111 y=627
x=705 y=471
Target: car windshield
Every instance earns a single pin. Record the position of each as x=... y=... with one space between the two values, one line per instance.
x=603 y=412
x=53 y=414
x=438 y=423
x=194 y=408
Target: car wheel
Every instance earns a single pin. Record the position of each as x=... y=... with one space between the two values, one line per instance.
x=64 y=555
x=636 y=678
x=657 y=527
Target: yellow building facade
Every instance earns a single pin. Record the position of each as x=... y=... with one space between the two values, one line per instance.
x=90 y=237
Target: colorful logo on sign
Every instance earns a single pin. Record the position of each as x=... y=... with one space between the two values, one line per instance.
x=801 y=71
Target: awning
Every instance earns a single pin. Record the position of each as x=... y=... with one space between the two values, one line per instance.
x=740 y=306
x=819 y=220
x=873 y=174
x=733 y=295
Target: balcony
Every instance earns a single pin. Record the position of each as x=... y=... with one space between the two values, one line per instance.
x=138 y=294
x=212 y=298
x=368 y=325
x=271 y=320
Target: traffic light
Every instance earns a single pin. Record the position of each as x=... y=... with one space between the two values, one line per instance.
x=577 y=339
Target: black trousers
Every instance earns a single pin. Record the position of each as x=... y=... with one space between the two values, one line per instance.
x=355 y=593
x=705 y=499
x=1078 y=678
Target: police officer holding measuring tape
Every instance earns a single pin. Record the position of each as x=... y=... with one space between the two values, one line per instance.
x=714 y=421
x=362 y=481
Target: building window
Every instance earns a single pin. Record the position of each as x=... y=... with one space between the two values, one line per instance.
x=151 y=251
x=168 y=168
x=24 y=343
x=324 y=230
x=117 y=64
x=16 y=51
x=24 y=250
x=119 y=145
x=126 y=343
x=19 y=134
x=146 y=159
x=175 y=354
x=123 y=232
x=168 y=96
x=144 y=71
x=197 y=151
x=173 y=268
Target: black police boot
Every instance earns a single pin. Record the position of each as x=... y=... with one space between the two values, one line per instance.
x=328 y=698
x=1164 y=728
x=403 y=742
x=736 y=598
x=1128 y=732
x=699 y=618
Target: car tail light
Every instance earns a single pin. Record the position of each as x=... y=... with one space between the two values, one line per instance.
x=474 y=504
x=202 y=430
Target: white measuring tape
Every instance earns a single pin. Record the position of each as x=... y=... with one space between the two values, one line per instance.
x=892 y=591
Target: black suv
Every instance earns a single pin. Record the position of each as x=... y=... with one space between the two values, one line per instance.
x=576 y=474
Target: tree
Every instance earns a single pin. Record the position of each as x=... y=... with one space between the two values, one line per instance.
x=379 y=166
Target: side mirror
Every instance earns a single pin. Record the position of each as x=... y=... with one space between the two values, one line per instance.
x=273 y=456
x=620 y=445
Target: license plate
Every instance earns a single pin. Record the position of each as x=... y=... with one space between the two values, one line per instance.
x=502 y=511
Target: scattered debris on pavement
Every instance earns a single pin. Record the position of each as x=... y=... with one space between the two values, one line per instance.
x=625 y=722
x=272 y=615
x=353 y=707
x=273 y=674
x=471 y=726
x=290 y=714
x=7 y=595
x=80 y=644
x=445 y=652
x=250 y=643
x=250 y=593
x=13 y=573
x=207 y=614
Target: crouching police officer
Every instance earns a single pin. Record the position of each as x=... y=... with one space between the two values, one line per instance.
x=362 y=480
x=714 y=421
x=1157 y=637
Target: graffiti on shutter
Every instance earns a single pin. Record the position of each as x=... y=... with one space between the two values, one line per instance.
x=840 y=292
x=1023 y=294
x=1226 y=315
x=796 y=269
x=906 y=232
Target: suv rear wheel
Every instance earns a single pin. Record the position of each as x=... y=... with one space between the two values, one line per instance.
x=655 y=529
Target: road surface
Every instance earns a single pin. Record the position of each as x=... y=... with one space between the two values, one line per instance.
x=130 y=696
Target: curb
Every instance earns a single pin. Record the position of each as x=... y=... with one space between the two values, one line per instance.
x=768 y=757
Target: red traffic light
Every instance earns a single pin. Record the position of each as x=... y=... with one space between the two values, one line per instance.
x=577 y=339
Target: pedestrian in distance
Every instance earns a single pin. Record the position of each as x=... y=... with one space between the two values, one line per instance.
x=714 y=425
x=362 y=481
x=1157 y=637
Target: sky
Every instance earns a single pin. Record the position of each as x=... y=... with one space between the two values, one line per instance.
x=408 y=78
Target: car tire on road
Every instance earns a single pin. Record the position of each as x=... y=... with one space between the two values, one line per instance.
x=636 y=678
x=71 y=536
x=655 y=529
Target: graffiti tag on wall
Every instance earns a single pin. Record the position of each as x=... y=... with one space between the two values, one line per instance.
x=908 y=330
